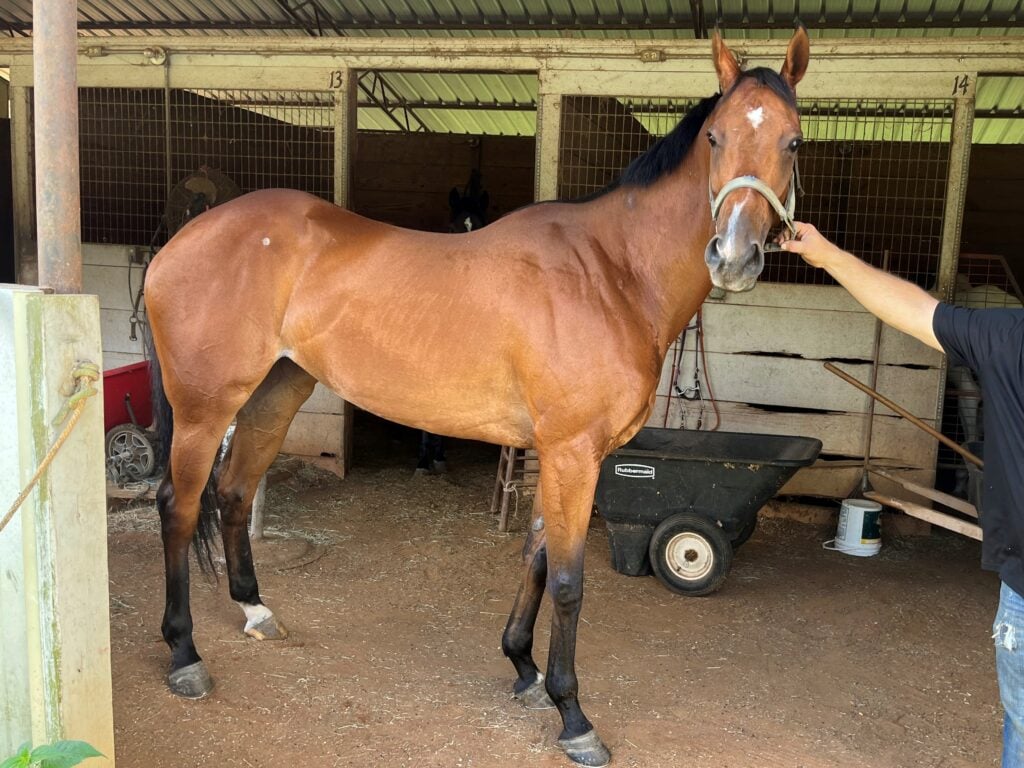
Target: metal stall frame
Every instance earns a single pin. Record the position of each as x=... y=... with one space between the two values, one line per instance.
x=868 y=68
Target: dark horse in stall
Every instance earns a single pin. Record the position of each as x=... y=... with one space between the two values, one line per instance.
x=467 y=213
x=258 y=299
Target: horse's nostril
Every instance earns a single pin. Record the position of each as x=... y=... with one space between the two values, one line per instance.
x=712 y=254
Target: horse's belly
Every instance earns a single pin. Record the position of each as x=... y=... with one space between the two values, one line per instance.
x=454 y=396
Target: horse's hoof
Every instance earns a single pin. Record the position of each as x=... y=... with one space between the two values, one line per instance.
x=191 y=682
x=268 y=629
x=440 y=467
x=421 y=472
x=534 y=696
x=586 y=750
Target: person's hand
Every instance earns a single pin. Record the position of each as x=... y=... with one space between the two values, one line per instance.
x=814 y=247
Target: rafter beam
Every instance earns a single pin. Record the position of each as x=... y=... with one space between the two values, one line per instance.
x=993 y=20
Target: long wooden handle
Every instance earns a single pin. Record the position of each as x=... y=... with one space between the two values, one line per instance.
x=905 y=414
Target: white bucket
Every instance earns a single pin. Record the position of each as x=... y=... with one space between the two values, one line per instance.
x=860 y=528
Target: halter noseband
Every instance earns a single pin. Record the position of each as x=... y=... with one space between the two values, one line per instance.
x=785 y=212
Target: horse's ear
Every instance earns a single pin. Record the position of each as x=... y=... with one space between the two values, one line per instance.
x=454 y=199
x=796 y=57
x=726 y=66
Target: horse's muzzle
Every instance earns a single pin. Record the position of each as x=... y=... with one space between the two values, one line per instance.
x=735 y=272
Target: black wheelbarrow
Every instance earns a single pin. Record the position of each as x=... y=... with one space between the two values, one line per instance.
x=680 y=502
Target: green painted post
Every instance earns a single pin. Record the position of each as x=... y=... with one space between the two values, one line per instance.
x=54 y=613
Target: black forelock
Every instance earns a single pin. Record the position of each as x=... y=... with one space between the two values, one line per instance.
x=771 y=80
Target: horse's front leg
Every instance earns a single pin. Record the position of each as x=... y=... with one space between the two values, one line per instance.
x=517 y=642
x=569 y=476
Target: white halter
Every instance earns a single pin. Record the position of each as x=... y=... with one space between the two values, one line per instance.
x=785 y=212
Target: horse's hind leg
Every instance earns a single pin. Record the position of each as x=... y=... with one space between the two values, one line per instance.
x=517 y=642
x=193 y=451
x=260 y=429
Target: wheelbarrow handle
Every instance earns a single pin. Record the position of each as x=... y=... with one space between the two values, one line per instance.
x=905 y=414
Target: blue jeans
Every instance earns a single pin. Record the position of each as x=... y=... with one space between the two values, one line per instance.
x=1008 y=633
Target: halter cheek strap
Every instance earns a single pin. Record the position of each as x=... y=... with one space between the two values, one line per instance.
x=785 y=212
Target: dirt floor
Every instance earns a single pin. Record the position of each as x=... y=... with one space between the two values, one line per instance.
x=396 y=591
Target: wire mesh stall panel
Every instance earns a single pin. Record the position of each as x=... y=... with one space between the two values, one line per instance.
x=873 y=177
x=152 y=157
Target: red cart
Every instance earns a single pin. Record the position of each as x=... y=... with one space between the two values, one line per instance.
x=127 y=415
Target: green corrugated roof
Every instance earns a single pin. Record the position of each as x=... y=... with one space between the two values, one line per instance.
x=505 y=104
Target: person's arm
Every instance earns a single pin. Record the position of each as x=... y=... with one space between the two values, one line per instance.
x=893 y=300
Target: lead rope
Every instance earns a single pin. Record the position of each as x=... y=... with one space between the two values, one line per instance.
x=85 y=374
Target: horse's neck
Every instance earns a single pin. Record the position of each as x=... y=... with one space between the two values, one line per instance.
x=664 y=230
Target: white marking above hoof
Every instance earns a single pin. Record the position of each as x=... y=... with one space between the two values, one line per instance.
x=255 y=614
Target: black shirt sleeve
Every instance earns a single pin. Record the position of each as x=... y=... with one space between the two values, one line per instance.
x=973 y=336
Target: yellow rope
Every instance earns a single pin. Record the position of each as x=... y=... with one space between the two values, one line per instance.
x=84 y=374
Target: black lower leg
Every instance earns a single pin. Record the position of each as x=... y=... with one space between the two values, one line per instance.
x=177 y=622
x=517 y=641
x=566 y=587
x=238 y=551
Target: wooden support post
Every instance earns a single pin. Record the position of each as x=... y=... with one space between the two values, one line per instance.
x=549 y=128
x=55 y=640
x=345 y=113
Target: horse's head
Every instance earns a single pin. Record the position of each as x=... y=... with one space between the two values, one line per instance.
x=468 y=208
x=754 y=134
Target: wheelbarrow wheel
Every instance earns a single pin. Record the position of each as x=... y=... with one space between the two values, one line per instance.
x=690 y=554
x=129 y=454
x=745 y=532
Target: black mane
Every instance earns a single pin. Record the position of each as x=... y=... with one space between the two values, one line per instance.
x=670 y=150
x=666 y=154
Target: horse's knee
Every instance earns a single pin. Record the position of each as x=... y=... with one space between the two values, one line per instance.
x=566 y=589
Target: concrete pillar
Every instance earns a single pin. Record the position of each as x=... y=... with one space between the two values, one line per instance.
x=54 y=613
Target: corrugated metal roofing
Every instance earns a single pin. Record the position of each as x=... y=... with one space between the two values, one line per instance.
x=505 y=104
x=528 y=17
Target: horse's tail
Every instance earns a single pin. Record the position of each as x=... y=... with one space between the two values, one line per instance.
x=208 y=524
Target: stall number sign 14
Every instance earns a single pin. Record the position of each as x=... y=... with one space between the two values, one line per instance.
x=640 y=471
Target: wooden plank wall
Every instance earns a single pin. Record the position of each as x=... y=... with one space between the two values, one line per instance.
x=765 y=352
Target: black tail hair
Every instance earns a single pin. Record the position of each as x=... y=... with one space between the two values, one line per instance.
x=208 y=525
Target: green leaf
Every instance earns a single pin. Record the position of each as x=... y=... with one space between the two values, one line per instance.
x=21 y=760
x=63 y=754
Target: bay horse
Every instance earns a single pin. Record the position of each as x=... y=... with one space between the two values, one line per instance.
x=467 y=211
x=254 y=301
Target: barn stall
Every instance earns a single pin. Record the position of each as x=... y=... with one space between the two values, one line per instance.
x=886 y=171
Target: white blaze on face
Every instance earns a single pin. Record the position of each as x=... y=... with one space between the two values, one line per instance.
x=756 y=117
x=734 y=220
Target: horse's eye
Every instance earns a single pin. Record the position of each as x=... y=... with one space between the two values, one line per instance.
x=711 y=139
x=795 y=144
